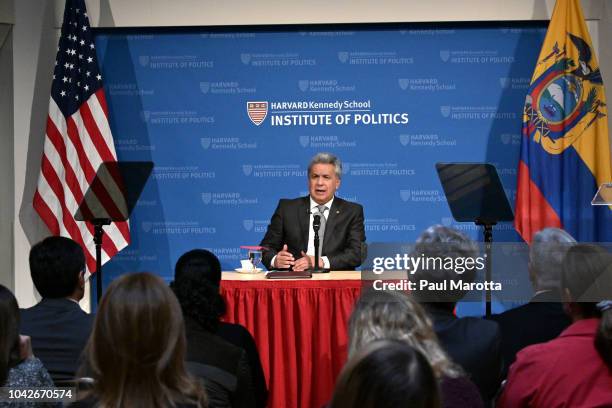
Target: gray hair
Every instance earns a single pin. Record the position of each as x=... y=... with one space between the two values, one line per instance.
x=326 y=158
x=392 y=315
x=546 y=254
x=434 y=244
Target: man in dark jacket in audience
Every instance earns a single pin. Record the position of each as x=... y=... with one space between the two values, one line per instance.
x=471 y=342
x=543 y=318
x=59 y=328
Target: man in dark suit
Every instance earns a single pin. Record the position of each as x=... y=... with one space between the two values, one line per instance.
x=471 y=342
x=59 y=328
x=289 y=240
x=543 y=318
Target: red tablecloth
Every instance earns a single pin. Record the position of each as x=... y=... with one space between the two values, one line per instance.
x=300 y=328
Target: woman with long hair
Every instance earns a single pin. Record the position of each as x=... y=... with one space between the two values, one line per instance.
x=137 y=348
x=392 y=315
x=18 y=366
x=575 y=369
x=211 y=357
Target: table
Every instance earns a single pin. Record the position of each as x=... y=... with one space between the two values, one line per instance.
x=300 y=327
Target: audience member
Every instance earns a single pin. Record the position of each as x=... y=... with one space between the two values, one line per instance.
x=223 y=365
x=204 y=268
x=386 y=374
x=381 y=315
x=543 y=318
x=575 y=369
x=471 y=342
x=59 y=328
x=18 y=366
x=136 y=352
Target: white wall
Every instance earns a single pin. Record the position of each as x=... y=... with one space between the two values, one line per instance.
x=34 y=47
x=123 y=13
x=34 y=43
x=7 y=208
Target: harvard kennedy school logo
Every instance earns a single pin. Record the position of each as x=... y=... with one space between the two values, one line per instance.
x=564 y=101
x=257 y=111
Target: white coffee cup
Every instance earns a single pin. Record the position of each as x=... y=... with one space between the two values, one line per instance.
x=247 y=265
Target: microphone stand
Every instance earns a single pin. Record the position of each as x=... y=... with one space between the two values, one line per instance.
x=316 y=224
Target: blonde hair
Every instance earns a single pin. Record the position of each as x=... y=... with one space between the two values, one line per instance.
x=391 y=315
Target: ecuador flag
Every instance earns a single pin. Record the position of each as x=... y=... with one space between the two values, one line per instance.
x=565 y=149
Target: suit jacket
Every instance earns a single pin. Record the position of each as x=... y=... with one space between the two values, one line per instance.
x=59 y=329
x=538 y=321
x=344 y=240
x=474 y=344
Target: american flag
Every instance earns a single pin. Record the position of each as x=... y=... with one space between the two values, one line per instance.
x=78 y=139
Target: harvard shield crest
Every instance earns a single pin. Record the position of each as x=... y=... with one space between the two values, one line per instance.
x=257 y=111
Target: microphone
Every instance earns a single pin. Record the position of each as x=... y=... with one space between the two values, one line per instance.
x=316 y=222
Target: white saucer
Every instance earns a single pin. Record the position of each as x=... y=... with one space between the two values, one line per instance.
x=256 y=270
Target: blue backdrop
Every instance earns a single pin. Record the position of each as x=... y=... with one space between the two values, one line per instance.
x=391 y=101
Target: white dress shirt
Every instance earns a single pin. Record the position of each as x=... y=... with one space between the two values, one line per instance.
x=313 y=210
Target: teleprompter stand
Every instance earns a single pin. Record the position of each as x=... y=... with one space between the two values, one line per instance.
x=111 y=198
x=475 y=194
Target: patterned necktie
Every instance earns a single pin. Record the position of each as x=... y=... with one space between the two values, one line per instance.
x=321 y=209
